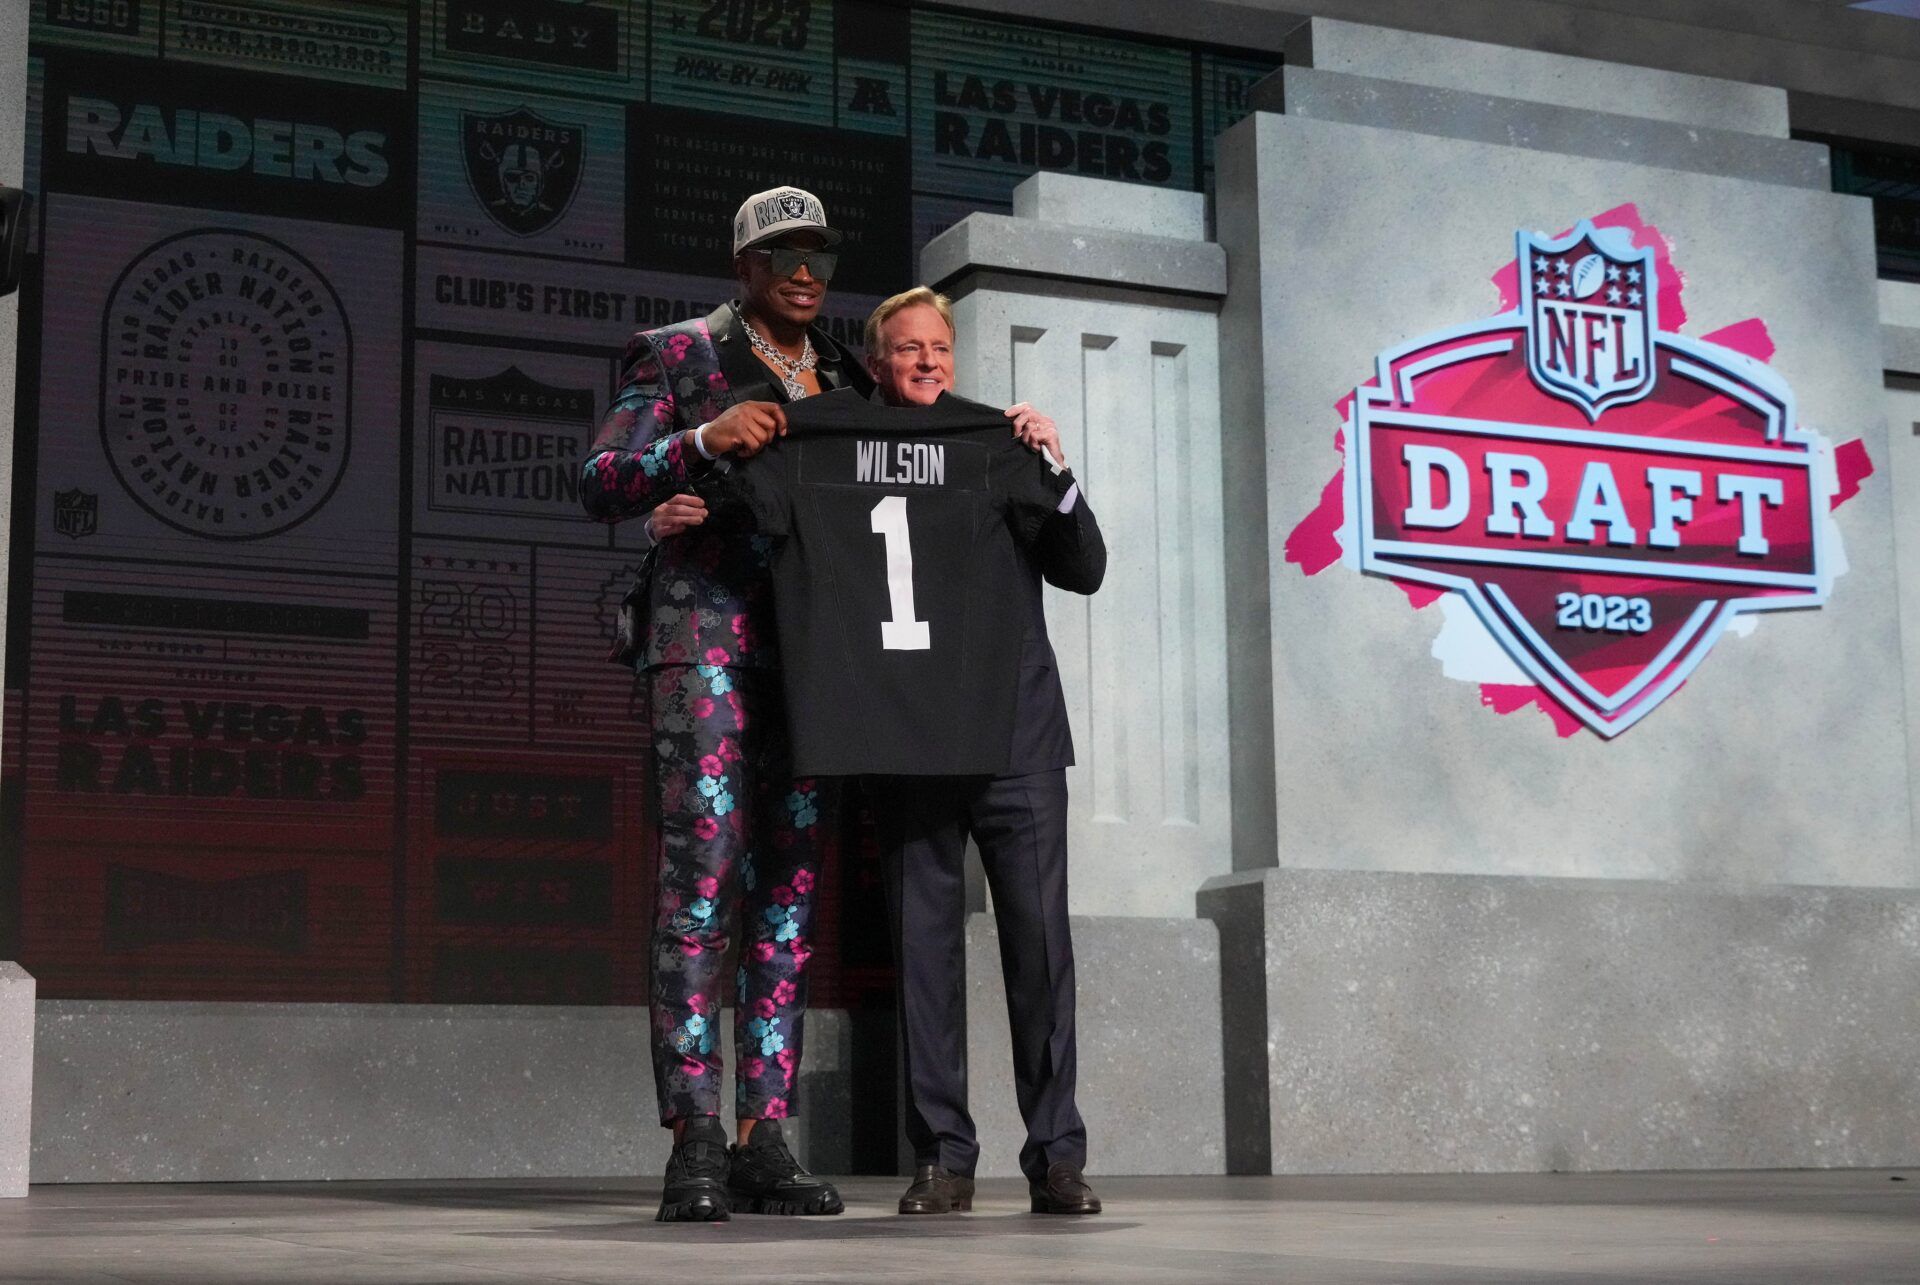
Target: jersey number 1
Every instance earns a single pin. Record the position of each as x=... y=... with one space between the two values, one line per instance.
x=903 y=632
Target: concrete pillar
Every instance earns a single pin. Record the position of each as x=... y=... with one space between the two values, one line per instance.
x=1900 y=333
x=1476 y=928
x=16 y=1077
x=1354 y=234
x=1096 y=301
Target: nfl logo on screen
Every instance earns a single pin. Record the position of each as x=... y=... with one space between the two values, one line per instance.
x=76 y=513
x=1589 y=301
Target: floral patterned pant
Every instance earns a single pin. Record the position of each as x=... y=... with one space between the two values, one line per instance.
x=739 y=839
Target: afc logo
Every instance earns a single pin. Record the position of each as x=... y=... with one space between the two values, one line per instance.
x=1608 y=496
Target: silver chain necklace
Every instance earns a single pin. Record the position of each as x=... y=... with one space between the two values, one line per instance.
x=788 y=368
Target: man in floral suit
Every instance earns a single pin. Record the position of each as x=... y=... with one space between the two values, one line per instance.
x=739 y=836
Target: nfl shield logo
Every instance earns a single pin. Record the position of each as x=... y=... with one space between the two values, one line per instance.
x=76 y=513
x=1589 y=299
x=523 y=168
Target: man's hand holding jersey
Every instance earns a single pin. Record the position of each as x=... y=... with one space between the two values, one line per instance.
x=681 y=513
x=743 y=429
x=1037 y=431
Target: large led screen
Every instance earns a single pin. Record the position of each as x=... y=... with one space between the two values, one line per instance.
x=306 y=697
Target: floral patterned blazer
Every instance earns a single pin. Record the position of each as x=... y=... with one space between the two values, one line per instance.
x=708 y=600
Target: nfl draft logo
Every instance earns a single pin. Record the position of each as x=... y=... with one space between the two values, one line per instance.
x=1607 y=495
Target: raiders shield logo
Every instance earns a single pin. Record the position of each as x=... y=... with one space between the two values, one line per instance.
x=76 y=513
x=523 y=169
x=1608 y=496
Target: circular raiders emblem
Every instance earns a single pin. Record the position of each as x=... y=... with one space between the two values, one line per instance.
x=226 y=378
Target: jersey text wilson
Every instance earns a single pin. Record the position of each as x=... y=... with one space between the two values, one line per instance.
x=901 y=463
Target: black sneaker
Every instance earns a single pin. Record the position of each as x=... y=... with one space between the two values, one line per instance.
x=696 y=1190
x=764 y=1178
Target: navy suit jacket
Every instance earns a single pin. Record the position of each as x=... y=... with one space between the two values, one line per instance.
x=1069 y=554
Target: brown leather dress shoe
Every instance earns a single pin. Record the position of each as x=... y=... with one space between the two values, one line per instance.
x=937 y=1191
x=1064 y=1192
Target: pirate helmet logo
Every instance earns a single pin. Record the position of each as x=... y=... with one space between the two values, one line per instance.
x=523 y=168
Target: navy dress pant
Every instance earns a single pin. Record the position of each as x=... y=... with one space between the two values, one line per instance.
x=1020 y=824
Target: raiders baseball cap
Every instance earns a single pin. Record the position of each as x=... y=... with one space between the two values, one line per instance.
x=766 y=215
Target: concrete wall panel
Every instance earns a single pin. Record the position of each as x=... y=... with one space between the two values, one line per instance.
x=1443 y=62
x=17 y=992
x=180 y=1092
x=1515 y=122
x=1461 y=1024
x=1782 y=759
x=1903 y=479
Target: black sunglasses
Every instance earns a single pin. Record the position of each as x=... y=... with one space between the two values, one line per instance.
x=784 y=260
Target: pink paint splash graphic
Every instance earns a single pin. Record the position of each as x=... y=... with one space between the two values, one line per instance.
x=1508 y=698
x=1505 y=698
x=1673 y=313
x=1314 y=545
x=1748 y=337
x=1851 y=462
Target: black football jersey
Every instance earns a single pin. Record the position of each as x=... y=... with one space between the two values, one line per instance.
x=899 y=587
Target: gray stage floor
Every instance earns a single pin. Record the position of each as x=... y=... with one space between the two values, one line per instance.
x=1851 y=1228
